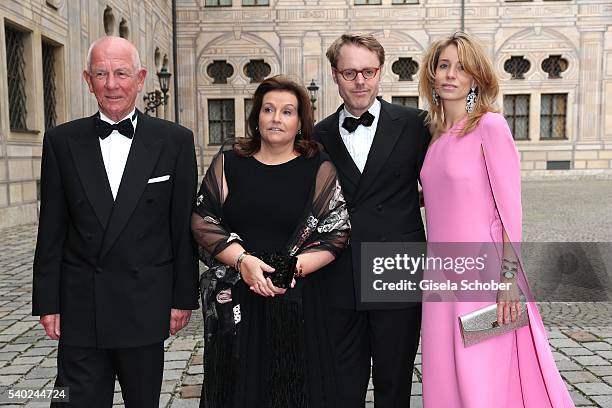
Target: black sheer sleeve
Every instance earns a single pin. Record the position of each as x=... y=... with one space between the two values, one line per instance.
x=207 y=226
x=327 y=226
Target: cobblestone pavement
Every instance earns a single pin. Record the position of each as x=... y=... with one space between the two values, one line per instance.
x=580 y=333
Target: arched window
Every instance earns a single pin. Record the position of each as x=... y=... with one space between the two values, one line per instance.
x=554 y=65
x=219 y=71
x=124 y=31
x=157 y=58
x=405 y=68
x=257 y=70
x=109 y=21
x=517 y=66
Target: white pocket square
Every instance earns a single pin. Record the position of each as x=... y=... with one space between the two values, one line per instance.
x=159 y=179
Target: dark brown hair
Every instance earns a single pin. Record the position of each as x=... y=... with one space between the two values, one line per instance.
x=304 y=143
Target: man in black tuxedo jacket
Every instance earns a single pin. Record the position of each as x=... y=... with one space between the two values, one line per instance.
x=378 y=149
x=115 y=268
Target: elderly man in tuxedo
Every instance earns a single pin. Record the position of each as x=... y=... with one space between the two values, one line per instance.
x=378 y=149
x=115 y=269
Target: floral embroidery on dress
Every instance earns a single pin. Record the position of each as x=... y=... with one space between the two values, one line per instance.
x=233 y=237
x=312 y=222
x=338 y=218
x=309 y=227
x=224 y=296
x=337 y=197
x=212 y=220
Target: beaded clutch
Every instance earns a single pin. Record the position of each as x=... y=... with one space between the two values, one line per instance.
x=481 y=325
x=284 y=267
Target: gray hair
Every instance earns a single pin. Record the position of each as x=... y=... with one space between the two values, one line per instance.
x=135 y=56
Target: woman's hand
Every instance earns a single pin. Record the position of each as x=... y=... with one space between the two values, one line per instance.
x=252 y=269
x=508 y=303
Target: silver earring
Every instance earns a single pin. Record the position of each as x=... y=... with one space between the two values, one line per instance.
x=299 y=131
x=434 y=96
x=471 y=100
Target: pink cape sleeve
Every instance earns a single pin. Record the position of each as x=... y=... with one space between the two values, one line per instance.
x=504 y=170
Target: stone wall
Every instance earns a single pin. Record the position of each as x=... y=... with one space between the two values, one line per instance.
x=291 y=36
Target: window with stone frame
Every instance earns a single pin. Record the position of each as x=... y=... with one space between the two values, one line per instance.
x=220 y=71
x=554 y=65
x=248 y=106
x=109 y=21
x=255 y=2
x=405 y=2
x=257 y=70
x=16 y=78
x=553 y=114
x=218 y=3
x=124 y=29
x=49 y=87
x=409 y=101
x=363 y=2
x=516 y=111
x=405 y=68
x=517 y=66
x=221 y=120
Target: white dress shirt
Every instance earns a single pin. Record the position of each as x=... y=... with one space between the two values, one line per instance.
x=360 y=141
x=115 y=150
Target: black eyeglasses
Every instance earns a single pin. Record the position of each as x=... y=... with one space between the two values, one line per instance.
x=351 y=74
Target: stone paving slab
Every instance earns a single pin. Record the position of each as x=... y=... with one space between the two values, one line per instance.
x=580 y=333
x=28 y=359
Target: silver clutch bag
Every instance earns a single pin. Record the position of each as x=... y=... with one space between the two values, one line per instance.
x=481 y=324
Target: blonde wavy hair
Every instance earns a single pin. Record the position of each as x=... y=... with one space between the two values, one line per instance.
x=475 y=62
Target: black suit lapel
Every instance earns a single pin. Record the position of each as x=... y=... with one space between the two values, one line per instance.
x=142 y=158
x=387 y=132
x=337 y=151
x=87 y=156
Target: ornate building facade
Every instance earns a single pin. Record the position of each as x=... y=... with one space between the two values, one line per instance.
x=43 y=48
x=554 y=59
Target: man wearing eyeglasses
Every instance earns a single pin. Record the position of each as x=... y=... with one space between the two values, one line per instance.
x=378 y=149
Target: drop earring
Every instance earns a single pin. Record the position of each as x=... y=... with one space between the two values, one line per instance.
x=435 y=97
x=471 y=100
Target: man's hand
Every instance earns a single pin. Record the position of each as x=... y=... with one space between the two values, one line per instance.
x=178 y=319
x=51 y=324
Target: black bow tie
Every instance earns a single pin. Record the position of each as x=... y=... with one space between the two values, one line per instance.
x=125 y=127
x=351 y=124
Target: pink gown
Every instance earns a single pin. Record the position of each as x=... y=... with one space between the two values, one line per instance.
x=515 y=370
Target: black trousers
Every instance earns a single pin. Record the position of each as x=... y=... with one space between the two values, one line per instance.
x=90 y=375
x=386 y=339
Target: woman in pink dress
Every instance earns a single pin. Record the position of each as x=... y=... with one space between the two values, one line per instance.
x=472 y=190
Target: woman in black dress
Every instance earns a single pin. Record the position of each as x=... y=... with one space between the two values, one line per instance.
x=273 y=192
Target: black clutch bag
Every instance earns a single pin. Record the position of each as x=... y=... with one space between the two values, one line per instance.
x=284 y=267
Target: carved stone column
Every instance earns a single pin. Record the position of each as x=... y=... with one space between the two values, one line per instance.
x=590 y=96
x=291 y=54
